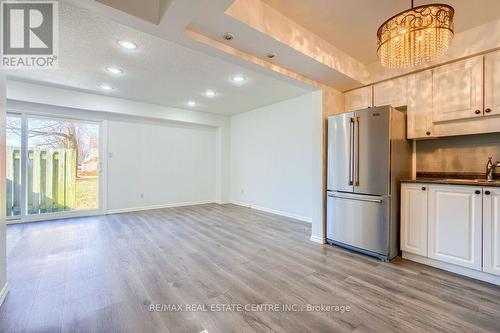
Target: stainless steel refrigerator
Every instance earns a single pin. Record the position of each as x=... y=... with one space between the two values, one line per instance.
x=368 y=154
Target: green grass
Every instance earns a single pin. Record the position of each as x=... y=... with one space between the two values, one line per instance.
x=87 y=193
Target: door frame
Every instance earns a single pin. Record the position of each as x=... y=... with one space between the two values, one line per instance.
x=103 y=134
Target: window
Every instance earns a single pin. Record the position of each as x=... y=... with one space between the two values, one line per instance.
x=59 y=163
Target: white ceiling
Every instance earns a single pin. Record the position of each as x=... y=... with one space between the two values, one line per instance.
x=352 y=25
x=159 y=71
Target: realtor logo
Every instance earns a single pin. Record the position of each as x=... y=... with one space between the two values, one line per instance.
x=29 y=34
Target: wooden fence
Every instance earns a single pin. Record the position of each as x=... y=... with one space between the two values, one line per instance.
x=51 y=180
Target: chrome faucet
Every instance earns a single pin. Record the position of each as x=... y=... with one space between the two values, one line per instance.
x=490 y=168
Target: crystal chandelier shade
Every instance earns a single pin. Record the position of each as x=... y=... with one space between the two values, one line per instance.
x=415 y=36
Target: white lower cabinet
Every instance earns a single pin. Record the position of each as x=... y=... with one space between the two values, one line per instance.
x=455 y=224
x=452 y=224
x=414 y=218
x=491 y=231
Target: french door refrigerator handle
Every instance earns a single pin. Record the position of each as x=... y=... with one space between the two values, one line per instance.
x=356 y=173
x=351 y=148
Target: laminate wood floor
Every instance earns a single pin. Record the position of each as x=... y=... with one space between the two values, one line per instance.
x=102 y=274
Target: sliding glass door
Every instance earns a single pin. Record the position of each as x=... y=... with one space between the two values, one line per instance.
x=52 y=165
x=13 y=167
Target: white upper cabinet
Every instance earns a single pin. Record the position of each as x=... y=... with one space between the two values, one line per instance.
x=419 y=109
x=457 y=90
x=492 y=84
x=358 y=99
x=455 y=225
x=491 y=231
x=414 y=218
x=392 y=92
x=459 y=98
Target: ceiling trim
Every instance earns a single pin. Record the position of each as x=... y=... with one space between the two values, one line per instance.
x=251 y=58
x=269 y=21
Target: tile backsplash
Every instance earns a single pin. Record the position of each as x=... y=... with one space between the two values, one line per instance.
x=458 y=154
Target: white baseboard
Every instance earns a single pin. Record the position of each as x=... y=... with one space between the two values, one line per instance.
x=170 y=205
x=3 y=293
x=472 y=273
x=274 y=211
x=317 y=239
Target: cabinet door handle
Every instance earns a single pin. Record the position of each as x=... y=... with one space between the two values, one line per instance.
x=487 y=192
x=428 y=133
x=477 y=192
x=477 y=111
x=488 y=110
x=423 y=188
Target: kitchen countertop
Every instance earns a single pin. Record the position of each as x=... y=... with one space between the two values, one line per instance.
x=453 y=181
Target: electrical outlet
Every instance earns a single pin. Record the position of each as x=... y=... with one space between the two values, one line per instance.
x=142 y=195
x=110 y=154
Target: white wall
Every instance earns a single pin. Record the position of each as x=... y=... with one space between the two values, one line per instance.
x=168 y=164
x=271 y=157
x=320 y=100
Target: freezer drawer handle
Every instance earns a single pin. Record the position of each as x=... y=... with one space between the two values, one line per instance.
x=354 y=198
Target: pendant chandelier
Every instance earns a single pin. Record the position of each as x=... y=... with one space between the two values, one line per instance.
x=415 y=36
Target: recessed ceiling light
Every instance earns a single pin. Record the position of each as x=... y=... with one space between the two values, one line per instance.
x=127 y=44
x=191 y=103
x=106 y=87
x=114 y=70
x=238 y=78
x=228 y=36
x=210 y=93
